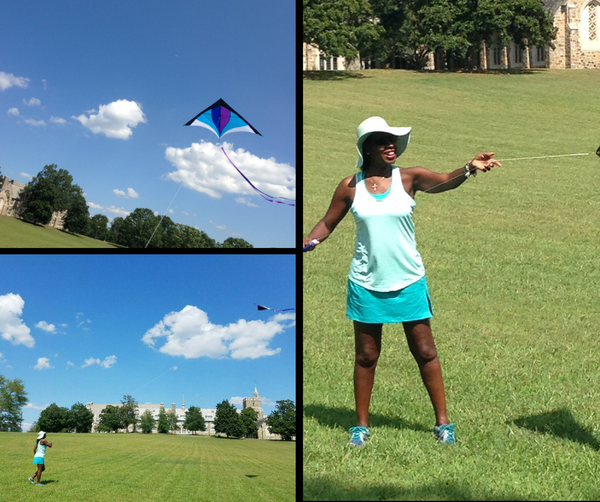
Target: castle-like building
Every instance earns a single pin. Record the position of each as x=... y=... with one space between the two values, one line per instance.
x=208 y=414
x=11 y=204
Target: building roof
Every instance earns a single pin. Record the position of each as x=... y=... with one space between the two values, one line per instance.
x=553 y=5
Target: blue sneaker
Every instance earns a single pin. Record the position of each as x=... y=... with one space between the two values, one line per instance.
x=32 y=481
x=358 y=435
x=444 y=433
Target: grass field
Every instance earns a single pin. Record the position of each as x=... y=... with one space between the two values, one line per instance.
x=136 y=467
x=15 y=233
x=513 y=265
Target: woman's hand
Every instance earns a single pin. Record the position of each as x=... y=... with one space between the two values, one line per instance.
x=310 y=242
x=484 y=161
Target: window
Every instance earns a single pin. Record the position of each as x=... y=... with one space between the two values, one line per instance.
x=335 y=63
x=321 y=63
x=518 y=54
x=540 y=54
x=329 y=64
x=497 y=55
x=593 y=21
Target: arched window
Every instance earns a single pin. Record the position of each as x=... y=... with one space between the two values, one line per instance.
x=590 y=26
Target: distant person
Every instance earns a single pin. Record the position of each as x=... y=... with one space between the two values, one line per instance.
x=387 y=281
x=39 y=453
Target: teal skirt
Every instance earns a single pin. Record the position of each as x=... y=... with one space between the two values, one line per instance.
x=412 y=303
x=38 y=460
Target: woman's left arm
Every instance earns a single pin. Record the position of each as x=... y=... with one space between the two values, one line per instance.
x=425 y=180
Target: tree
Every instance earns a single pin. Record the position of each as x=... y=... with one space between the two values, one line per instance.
x=233 y=242
x=110 y=419
x=283 y=420
x=137 y=228
x=248 y=416
x=129 y=411
x=114 y=234
x=39 y=200
x=194 y=421
x=54 y=419
x=78 y=215
x=172 y=421
x=12 y=398
x=147 y=422
x=80 y=419
x=163 y=424
x=228 y=421
x=98 y=227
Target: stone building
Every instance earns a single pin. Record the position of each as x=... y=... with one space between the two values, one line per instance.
x=577 y=44
x=11 y=204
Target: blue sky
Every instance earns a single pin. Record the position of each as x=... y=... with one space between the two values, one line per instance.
x=92 y=328
x=102 y=89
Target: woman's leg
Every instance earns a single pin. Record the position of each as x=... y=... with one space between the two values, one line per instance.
x=422 y=347
x=367 y=349
x=39 y=472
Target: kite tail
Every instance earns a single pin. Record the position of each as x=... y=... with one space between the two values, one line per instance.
x=262 y=194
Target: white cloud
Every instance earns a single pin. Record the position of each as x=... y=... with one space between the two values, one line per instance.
x=220 y=227
x=35 y=123
x=70 y=364
x=203 y=167
x=32 y=406
x=13 y=111
x=119 y=211
x=115 y=119
x=106 y=363
x=189 y=333
x=8 y=80
x=58 y=120
x=95 y=206
x=243 y=200
x=131 y=193
x=171 y=211
x=237 y=401
x=32 y=102
x=26 y=176
x=43 y=364
x=50 y=328
x=12 y=327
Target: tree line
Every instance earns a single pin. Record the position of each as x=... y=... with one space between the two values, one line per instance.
x=114 y=418
x=404 y=34
x=53 y=190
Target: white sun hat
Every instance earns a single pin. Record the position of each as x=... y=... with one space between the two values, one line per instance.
x=41 y=435
x=377 y=124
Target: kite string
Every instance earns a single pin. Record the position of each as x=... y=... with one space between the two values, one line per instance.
x=262 y=194
x=163 y=216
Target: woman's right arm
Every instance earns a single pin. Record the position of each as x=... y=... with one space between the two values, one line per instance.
x=340 y=204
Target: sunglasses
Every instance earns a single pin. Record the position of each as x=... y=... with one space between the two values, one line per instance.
x=384 y=139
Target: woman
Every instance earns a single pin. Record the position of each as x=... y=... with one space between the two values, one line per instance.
x=387 y=281
x=39 y=452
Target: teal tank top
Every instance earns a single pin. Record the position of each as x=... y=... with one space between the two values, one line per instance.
x=41 y=450
x=385 y=254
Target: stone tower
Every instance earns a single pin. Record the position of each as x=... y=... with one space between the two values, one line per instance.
x=254 y=402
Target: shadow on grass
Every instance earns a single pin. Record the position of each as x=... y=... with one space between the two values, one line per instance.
x=331 y=75
x=559 y=423
x=316 y=488
x=48 y=481
x=344 y=418
x=512 y=71
x=252 y=475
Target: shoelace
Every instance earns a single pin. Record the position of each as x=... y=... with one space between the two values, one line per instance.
x=357 y=433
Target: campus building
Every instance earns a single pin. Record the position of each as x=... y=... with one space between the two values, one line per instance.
x=11 y=204
x=208 y=414
x=577 y=45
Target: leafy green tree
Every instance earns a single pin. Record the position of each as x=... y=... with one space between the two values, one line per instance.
x=147 y=422
x=233 y=242
x=163 y=424
x=129 y=411
x=172 y=421
x=339 y=27
x=114 y=233
x=194 y=421
x=98 y=227
x=137 y=228
x=248 y=416
x=283 y=420
x=79 y=418
x=78 y=215
x=39 y=199
x=12 y=398
x=54 y=419
x=110 y=419
x=227 y=420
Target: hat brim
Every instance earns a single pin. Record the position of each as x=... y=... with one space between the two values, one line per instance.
x=402 y=139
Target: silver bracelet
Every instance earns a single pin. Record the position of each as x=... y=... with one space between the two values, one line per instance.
x=468 y=170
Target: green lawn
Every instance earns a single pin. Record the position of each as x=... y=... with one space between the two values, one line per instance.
x=15 y=233
x=139 y=467
x=513 y=265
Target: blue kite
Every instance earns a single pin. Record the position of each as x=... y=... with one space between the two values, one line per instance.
x=221 y=119
x=262 y=307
